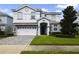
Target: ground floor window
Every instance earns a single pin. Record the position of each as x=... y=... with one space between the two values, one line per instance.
x=55 y=29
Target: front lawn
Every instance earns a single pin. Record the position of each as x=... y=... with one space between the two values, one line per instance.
x=50 y=52
x=52 y=40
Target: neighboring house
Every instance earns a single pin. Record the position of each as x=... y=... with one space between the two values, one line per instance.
x=6 y=23
x=30 y=21
x=77 y=21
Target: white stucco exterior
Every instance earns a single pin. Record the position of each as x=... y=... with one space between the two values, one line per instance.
x=25 y=25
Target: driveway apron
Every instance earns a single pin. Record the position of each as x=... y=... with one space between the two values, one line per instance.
x=15 y=44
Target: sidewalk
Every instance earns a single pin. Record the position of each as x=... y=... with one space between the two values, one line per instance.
x=51 y=48
x=16 y=49
x=11 y=49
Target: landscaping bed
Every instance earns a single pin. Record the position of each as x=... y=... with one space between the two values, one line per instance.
x=4 y=36
x=52 y=40
x=50 y=52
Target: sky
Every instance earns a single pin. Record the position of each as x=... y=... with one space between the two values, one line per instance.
x=6 y=8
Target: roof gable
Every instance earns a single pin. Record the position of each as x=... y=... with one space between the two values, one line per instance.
x=15 y=10
x=4 y=14
x=43 y=18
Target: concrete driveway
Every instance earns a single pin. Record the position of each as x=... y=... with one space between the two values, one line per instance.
x=16 y=40
x=15 y=44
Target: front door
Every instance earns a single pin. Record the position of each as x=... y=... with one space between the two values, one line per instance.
x=43 y=28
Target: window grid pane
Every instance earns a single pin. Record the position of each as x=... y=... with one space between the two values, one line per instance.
x=19 y=16
x=32 y=16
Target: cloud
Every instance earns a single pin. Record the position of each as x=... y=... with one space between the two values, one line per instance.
x=7 y=11
x=4 y=10
x=65 y=5
x=61 y=6
x=44 y=9
x=75 y=5
x=10 y=14
x=58 y=11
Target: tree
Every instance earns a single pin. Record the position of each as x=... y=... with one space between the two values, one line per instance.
x=67 y=25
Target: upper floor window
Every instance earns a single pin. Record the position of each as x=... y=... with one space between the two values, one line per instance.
x=32 y=15
x=19 y=16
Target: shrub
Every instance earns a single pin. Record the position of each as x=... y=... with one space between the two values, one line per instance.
x=67 y=36
x=2 y=33
x=54 y=33
x=11 y=34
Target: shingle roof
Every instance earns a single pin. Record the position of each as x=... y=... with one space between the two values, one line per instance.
x=37 y=10
x=21 y=7
x=4 y=14
x=53 y=13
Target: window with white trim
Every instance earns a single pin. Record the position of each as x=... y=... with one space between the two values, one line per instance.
x=55 y=29
x=32 y=15
x=19 y=16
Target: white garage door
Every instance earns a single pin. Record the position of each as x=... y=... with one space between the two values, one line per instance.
x=26 y=30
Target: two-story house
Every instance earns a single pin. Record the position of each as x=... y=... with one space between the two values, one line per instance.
x=6 y=23
x=30 y=21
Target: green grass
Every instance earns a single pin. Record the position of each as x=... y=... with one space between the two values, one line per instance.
x=52 y=40
x=49 y=52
